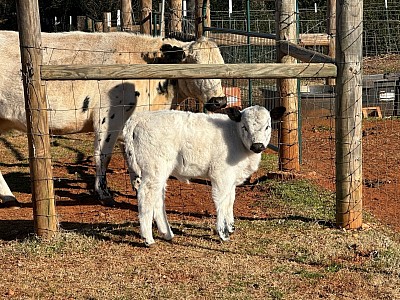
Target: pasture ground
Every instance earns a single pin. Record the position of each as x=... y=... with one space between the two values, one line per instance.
x=285 y=245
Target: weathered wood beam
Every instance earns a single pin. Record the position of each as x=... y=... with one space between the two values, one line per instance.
x=287 y=88
x=127 y=21
x=173 y=71
x=348 y=116
x=331 y=31
x=230 y=39
x=41 y=174
x=303 y=54
x=145 y=11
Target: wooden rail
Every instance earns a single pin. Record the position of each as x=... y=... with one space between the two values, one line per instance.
x=173 y=71
x=230 y=39
x=303 y=54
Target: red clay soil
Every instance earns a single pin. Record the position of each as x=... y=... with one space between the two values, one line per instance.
x=77 y=206
x=381 y=164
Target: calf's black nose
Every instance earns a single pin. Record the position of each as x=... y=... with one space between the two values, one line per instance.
x=257 y=147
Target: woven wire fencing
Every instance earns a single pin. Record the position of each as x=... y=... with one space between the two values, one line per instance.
x=316 y=107
x=381 y=41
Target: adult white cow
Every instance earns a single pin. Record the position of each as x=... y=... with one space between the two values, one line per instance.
x=102 y=106
x=224 y=149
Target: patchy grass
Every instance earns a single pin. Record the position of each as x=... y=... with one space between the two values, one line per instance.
x=294 y=256
x=269 y=161
x=304 y=199
x=293 y=253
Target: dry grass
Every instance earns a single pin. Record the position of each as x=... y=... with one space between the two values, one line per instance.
x=294 y=254
x=278 y=258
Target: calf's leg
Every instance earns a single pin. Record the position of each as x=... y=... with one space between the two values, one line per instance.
x=150 y=194
x=221 y=196
x=134 y=173
x=160 y=216
x=230 y=218
x=7 y=198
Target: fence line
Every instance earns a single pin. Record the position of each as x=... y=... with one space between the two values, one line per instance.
x=351 y=90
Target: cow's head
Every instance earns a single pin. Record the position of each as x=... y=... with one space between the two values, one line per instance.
x=207 y=91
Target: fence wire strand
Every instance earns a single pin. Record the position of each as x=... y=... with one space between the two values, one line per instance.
x=316 y=112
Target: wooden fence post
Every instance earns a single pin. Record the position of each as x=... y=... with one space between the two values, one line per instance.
x=106 y=22
x=202 y=20
x=332 y=34
x=176 y=18
x=81 y=23
x=198 y=22
x=145 y=16
x=349 y=114
x=126 y=8
x=287 y=88
x=98 y=26
x=45 y=220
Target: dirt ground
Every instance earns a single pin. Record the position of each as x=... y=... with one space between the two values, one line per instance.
x=381 y=165
x=76 y=203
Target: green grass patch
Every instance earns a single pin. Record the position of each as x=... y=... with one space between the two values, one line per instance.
x=304 y=199
x=269 y=161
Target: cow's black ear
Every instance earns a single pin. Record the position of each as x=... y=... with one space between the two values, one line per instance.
x=234 y=114
x=172 y=54
x=166 y=48
x=277 y=112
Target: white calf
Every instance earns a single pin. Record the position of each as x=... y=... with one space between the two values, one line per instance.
x=102 y=106
x=226 y=149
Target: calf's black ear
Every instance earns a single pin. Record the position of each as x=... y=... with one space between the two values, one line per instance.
x=277 y=112
x=234 y=114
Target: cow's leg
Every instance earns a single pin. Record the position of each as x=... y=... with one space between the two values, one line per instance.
x=160 y=216
x=102 y=156
x=6 y=196
x=108 y=127
x=221 y=196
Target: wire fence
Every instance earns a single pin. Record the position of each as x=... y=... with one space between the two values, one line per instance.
x=380 y=99
x=380 y=135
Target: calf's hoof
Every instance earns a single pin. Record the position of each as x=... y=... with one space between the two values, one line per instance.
x=150 y=244
x=231 y=228
x=224 y=235
x=168 y=236
x=225 y=239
